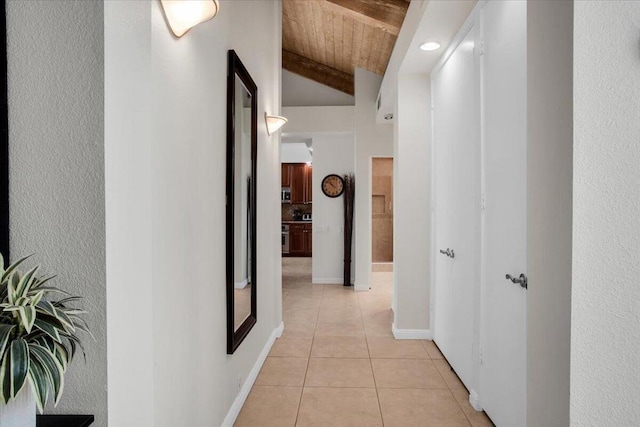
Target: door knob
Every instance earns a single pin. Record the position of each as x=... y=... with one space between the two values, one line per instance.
x=522 y=280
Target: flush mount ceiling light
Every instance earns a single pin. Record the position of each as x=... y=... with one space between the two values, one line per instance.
x=274 y=123
x=430 y=46
x=182 y=15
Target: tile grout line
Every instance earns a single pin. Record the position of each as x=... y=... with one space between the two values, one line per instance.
x=373 y=374
x=313 y=338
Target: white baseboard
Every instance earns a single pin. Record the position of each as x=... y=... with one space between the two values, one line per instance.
x=241 y=285
x=234 y=411
x=411 y=334
x=474 y=400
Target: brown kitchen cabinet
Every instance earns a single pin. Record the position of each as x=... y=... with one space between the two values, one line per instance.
x=301 y=240
x=301 y=182
x=287 y=170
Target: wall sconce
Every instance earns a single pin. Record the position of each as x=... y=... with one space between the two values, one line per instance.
x=274 y=123
x=182 y=15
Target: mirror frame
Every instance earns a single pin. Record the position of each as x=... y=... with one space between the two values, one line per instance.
x=4 y=141
x=236 y=68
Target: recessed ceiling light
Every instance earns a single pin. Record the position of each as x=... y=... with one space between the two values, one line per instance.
x=430 y=46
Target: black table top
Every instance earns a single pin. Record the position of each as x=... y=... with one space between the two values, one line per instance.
x=63 y=420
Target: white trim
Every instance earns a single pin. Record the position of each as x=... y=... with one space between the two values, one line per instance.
x=411 y=334
x=234 y=411
x=474 y=400
x=241 y=285
x=279 y=330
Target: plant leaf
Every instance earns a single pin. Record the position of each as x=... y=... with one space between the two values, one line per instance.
x=63 y=301
x=14 y=369
x=26 y=282
x=62 y=354
x=51 y=365
x=27 y=316
x=52 y=289
x=47 y=308
x=39 y=380
x=48 y=328
x=12 y=284
x=5 y=331
x=36 y=298
x=5 y=378
x=37 y=284
x=12 y=267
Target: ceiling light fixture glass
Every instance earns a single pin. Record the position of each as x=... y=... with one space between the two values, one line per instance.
x=182 y=15
x=274 y=123
x=430 y=46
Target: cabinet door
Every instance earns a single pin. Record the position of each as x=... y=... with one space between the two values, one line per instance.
x=298 y=183
x=308 y=176
x=286 y=174
x=296 y=242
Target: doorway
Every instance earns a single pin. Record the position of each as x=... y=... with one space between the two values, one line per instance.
x=382 y=222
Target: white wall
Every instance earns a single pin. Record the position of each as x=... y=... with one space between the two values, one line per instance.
x=412 y=210
x=55 y=52
x=372 y=140
x=298 y=91
x=549 y=209
x=309 y=120
x=295 y=152
x=605 y=325
x=332 y=154
x=192 y=380
x=128 y=203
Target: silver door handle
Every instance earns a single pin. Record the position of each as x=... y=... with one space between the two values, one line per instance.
x=521 y=280
x=448 y=252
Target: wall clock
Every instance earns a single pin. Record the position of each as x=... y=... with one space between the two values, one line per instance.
x=333 y=185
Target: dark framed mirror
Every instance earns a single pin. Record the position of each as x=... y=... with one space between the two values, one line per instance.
x=4 y=141
x=242 y=153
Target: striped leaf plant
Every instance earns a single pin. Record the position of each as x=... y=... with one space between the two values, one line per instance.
x=38 y=335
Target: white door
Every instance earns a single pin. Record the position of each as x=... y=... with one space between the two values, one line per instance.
x=503 y=303
x=443 y=182
x=457 y=145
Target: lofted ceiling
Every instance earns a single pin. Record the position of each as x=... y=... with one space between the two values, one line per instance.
x=324 y=40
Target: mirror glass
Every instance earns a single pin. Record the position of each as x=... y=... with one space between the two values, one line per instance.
x=242 y=205
x=242 y=148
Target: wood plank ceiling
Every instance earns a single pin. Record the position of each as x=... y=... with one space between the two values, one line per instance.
x=324 y=40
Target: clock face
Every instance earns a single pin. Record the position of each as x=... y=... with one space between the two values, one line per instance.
x=332 y=185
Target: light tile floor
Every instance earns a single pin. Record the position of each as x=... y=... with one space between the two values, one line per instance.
x=337 y=364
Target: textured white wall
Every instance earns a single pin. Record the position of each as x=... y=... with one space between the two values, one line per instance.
x=372 y=140
x=298 y=91
x=331 y=154
x=605 y=297
x=55 y=69
x=193 y=382
x=549 y=209
x=412 y=194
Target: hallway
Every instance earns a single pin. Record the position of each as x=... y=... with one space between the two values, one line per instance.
x=337 y=364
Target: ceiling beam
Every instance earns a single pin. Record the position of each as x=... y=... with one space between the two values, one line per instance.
x=318 y=72
x=387 y=15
